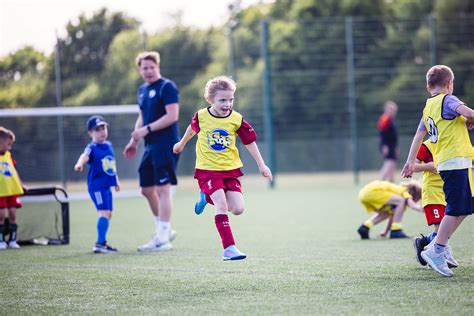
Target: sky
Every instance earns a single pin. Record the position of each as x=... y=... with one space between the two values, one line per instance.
x=35 y=22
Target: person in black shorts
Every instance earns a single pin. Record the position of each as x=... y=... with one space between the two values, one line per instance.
x=157 y=124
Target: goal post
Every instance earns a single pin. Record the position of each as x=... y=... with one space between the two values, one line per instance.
x=43 y=217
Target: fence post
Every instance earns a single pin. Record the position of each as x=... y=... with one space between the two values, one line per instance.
x=432 y=25
x=267 y=101
x=351 y=94
x=59 y=103
x=231 y=26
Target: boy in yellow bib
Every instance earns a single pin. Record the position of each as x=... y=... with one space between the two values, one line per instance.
x=10 y=189
x=388 y=201
x=446 y=120
x=217 y=157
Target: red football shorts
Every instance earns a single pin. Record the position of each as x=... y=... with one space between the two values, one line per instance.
x=10 y=201
x=434 y=213
x=211 y=185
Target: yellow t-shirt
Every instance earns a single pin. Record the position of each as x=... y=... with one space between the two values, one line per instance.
x=215 y=147
x=10 y=184
x=432 y=184
x=449 y=137
x=375 y=195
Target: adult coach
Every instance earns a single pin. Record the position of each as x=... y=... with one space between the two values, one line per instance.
x=388 y=140
x=157 y=123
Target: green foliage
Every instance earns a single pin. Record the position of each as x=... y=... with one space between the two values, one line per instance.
x=83 y=55
x=392 y=42
x=23 y=93
x=24 y=61
x=183 y=51
x=84 y=49
x=22 y=77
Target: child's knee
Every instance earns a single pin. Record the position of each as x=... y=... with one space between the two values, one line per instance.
x=237 y=210
x=221 y=206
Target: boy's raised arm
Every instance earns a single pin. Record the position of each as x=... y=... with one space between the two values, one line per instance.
x=83 y=159
x=409 y=166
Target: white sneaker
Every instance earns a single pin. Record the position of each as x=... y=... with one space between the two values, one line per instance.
x=3 y=245
x=13 y=245
x=155 y=246
x=437 y=261
x=448 y=254
x=173 y=235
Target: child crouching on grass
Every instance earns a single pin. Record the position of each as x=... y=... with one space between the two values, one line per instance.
x=217 y=158
x=388 y=201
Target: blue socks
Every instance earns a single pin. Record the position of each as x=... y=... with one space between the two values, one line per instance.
x=13 y=230
x=431 y=236
x=102 y=227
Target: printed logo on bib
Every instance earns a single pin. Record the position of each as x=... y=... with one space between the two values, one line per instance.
x=432 y=130
x=5 y=169
x=109 y=166
x=218 y=139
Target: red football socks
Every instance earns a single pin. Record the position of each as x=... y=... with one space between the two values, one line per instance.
x=223 y=226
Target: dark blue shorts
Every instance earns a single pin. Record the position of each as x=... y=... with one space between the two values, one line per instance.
x=102 y=199
x=457 y=189
x=158 y=166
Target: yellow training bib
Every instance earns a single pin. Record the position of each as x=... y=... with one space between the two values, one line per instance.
x=215 y=147
x=10 y=184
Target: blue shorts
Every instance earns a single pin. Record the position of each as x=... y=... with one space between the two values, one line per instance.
x=457 y=189
x=102 y=199
x=158 y=166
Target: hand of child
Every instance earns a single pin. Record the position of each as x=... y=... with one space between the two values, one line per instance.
x=266 y=172
x=78 y=167
x=178 y=147
x=117 y=188
x=433 y=168
x=383 y=234
x=407 y=170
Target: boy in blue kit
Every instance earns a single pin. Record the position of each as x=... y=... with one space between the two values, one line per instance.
x=99 y=156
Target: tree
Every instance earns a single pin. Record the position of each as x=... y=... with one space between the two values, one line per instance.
x=84 y=51
x=22 y=76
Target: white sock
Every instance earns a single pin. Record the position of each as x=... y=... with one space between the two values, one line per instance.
x=157 y=225
x=164 y=232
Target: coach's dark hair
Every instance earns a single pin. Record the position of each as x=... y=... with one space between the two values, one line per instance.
x=439 y=76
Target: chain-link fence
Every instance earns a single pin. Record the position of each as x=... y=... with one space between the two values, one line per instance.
x=329 y=80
